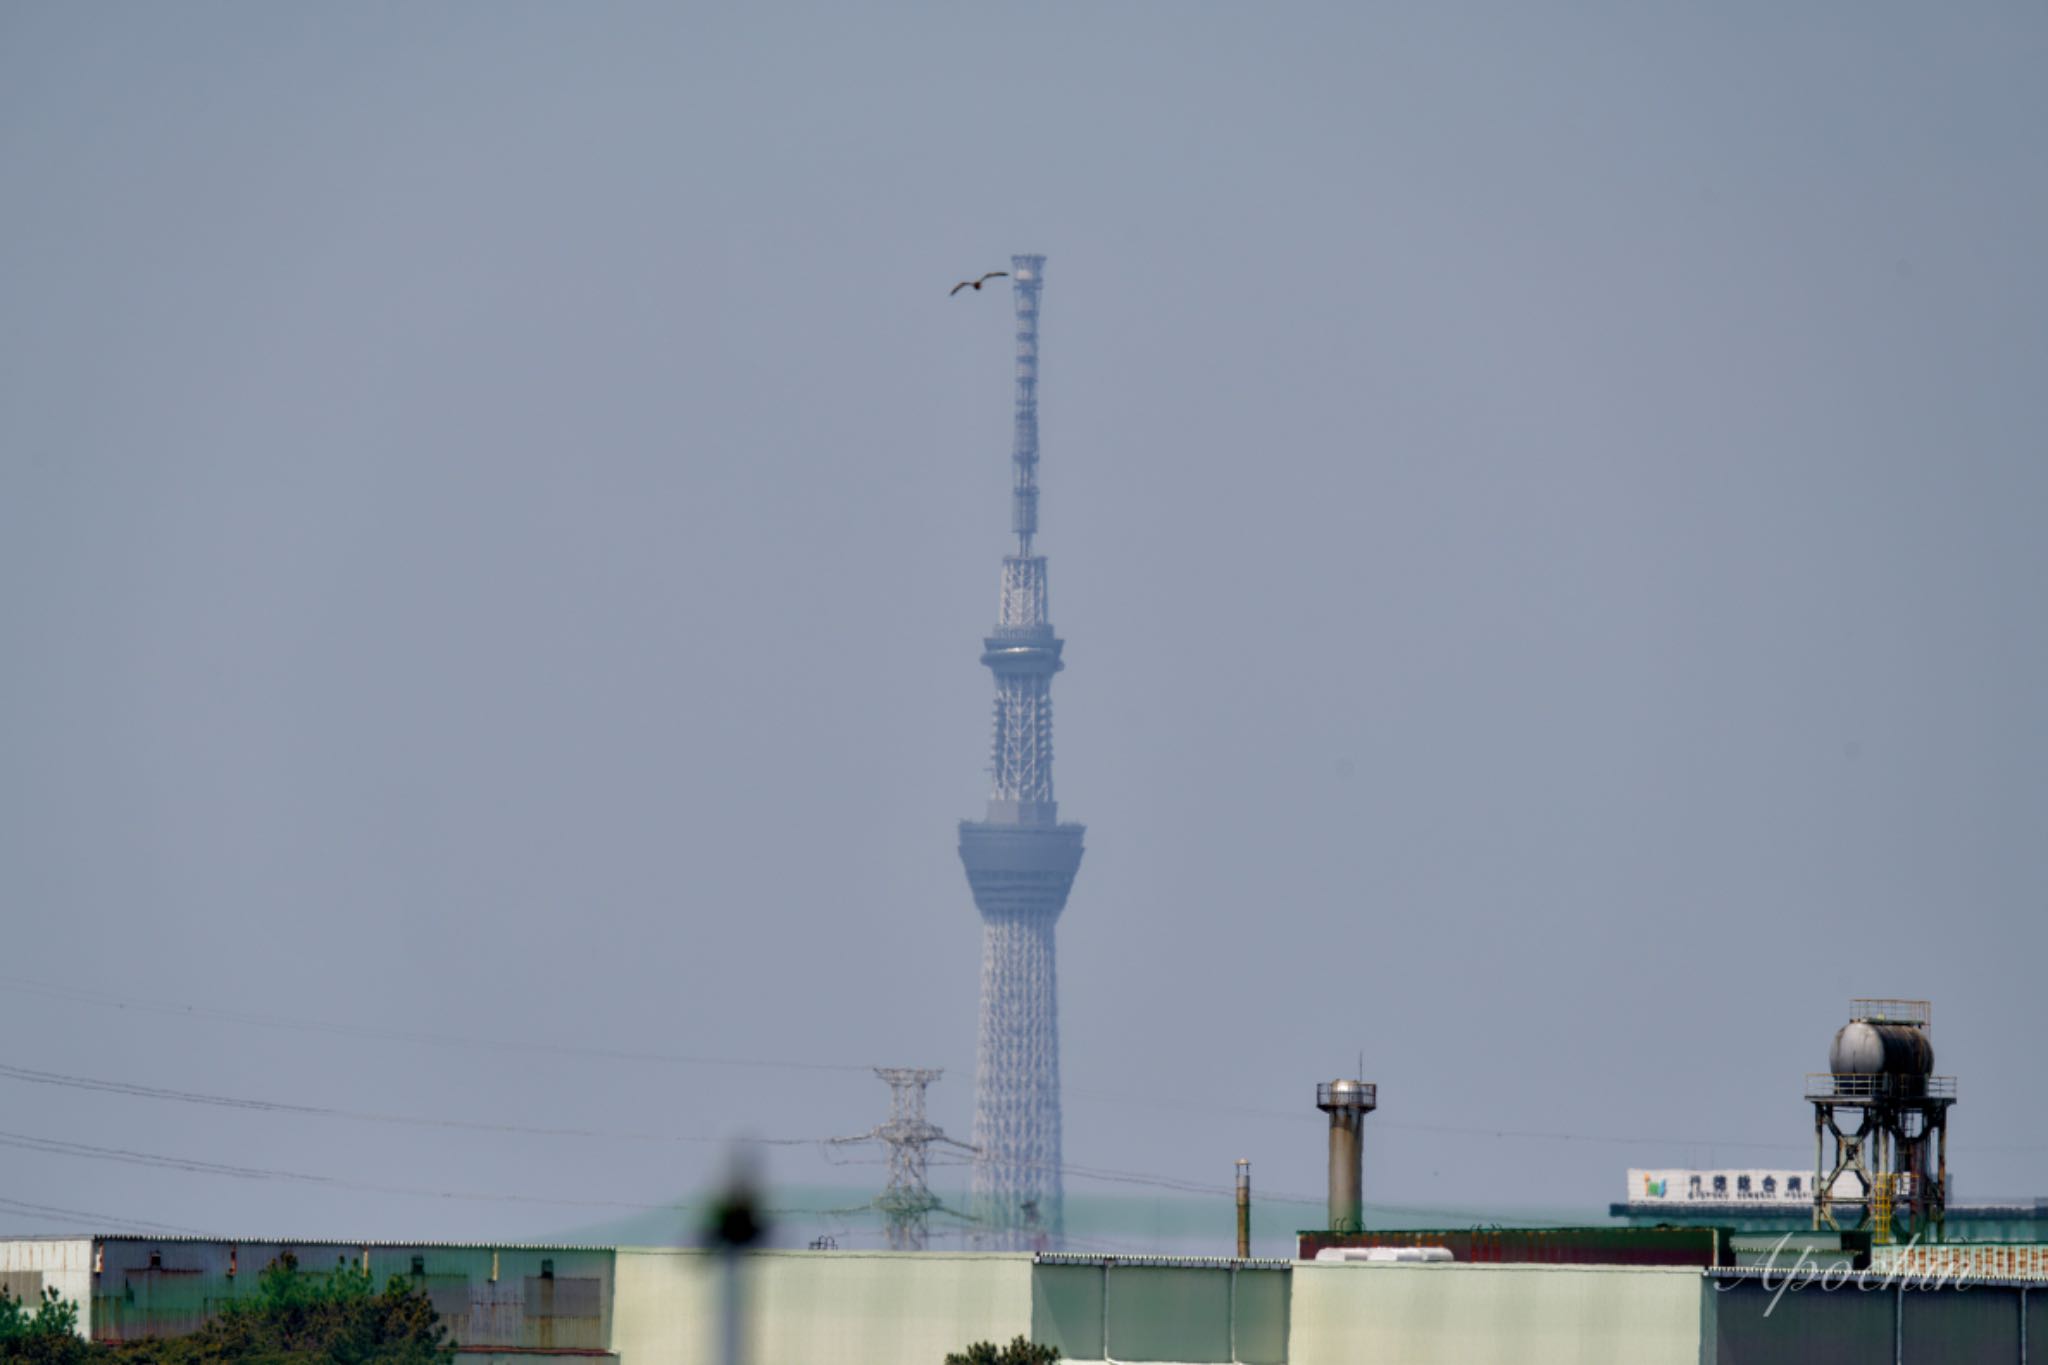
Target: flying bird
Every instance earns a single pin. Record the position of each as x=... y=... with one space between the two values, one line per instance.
x=976 y=284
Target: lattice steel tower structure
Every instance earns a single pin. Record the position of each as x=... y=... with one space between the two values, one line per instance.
x=1020 y=863
x=908 y=1201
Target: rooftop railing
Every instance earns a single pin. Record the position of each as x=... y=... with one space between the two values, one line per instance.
x=1825 y=1085
x=1353 y=1095
x=1918 y=1012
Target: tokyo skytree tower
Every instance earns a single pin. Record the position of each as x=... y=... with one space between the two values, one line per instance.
x=1020 y=864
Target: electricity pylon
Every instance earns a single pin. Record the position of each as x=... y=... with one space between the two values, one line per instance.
x=907 y=1200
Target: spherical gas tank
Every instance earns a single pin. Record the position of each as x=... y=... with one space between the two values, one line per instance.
x=1867 y=1048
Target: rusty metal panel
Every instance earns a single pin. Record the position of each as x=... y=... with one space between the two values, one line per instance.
x=565 y=1313
x=569 y=1297
x=144 y=1288
x=450 y=1295
x=496 y=1312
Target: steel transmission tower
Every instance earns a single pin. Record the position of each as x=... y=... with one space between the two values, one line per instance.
x=906 y=1201
x=1020 y=864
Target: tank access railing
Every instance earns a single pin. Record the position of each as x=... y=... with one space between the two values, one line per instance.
x=1354 y=1095
x=1919 y=1013
x=1862 y=1088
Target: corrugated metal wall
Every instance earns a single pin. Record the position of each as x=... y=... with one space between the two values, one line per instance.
x=1816 y=1329
x=1758 y=1322
x=1976 y=1324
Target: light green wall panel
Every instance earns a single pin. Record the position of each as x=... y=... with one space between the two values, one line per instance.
x=1495 y=1315
x=809 y=1308
x=1169 y=1314
x=1262 y=1298
x=1066 y=1309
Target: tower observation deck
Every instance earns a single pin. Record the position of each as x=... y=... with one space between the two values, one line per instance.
x=1020 y=864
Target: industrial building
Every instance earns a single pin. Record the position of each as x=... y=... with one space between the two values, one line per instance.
x=506 y=1303
x=1816 y=1291
x=1880 y=1153
x=1699 y=1294
x=662 y=1306
x=1781 y=1201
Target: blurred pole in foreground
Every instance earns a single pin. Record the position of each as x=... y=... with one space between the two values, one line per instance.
x=736 y=1224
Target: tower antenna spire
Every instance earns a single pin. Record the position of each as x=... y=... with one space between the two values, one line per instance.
x=1020 y=863
x=1028 y=278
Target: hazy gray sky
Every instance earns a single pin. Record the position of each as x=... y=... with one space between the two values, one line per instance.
x=497 y=516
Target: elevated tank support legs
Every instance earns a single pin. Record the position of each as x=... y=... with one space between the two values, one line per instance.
x=1940 y=1191
x=1819 y=1158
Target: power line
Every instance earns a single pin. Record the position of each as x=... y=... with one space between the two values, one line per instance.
x=1540 y=1136
x=80 y=1218
x=34 y=987
x=68 y=1080
x=1225 y=1193
x=1173 y=1184
x=228 y=1170
x=198 y=1166
x=195 y=1166
x=1290 y=1115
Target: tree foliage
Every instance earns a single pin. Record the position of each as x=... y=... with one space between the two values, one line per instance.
x=293 y=1318
x=48 y=1336
x=296 y=1318
x=1018 y=1352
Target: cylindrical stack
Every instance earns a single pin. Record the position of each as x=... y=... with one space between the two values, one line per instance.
x=1244 y=1208
x=1347 y=1103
